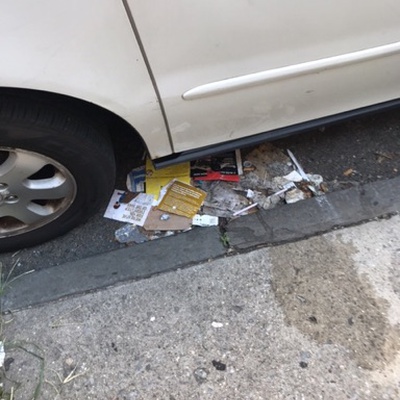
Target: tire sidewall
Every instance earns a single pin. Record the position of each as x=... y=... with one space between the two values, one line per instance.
x=91 y=165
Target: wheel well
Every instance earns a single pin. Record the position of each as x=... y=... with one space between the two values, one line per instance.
x=123 y=135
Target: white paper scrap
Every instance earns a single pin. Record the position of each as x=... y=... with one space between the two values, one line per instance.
x=134 y=212
x=205 y=220
x=294 y=176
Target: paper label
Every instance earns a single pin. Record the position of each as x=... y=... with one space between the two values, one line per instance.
x=182 y=199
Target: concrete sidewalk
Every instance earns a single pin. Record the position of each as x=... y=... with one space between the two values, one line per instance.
x=314 y=319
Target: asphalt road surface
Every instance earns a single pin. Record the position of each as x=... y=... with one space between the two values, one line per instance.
x=348 y=154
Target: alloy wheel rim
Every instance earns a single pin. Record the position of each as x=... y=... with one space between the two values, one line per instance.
x=34 y=191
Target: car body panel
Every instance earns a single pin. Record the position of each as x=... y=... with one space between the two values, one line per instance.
x=84 y=49
x=188 y=75
x=227 y=70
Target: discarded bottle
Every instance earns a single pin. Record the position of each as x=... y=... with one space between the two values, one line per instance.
x=129 y=233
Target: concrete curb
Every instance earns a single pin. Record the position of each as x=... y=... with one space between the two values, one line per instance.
x=314 y=216
x=130 y=263
x=279 y=225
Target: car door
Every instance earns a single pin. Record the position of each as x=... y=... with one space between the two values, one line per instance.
x=231 y=69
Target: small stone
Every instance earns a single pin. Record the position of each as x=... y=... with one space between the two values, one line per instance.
x=200 y=374
x=68 y=366
x=313 y=319
x=219 y=365
x=237 y=309
x=217 y=324
x=303 y=364
x=70 y=362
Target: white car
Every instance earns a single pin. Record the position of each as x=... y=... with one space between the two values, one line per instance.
x=188 y=77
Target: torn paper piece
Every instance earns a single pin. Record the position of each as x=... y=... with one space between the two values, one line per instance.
x=135 y=211
x=205 y=220
x=182 y=199
x=159 y=220
x=222 y=199
x=294 y=195
x=156 y=179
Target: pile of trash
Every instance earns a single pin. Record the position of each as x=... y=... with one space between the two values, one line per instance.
x=160 y=203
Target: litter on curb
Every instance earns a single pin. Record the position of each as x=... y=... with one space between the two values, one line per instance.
x=129 y=207
x=165 y=202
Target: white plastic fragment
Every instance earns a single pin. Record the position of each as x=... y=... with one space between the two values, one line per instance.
x=165 y=217
x=316 y=179
x=250 y=193
x=294 y=176
x=285 y=188
x=217 y=324
x=239 y=163
x=205 y=220
x=245 y=209
x=298 y=166
x=2 y=354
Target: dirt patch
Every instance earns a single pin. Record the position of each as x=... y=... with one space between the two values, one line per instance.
x=318 y=287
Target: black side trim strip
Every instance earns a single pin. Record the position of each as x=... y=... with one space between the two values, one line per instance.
x=273 y=135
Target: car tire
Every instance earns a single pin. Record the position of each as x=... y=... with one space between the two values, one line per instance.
x=57 y=168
